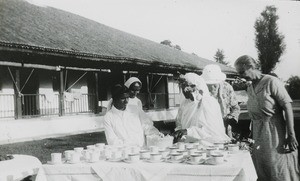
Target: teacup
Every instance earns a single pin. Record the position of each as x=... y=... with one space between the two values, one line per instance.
x=164 y=153
x=153 y=149
x=219 y=145
x=94 y=156
x=181 y=145
x=155 y=156
x=200 y=147
x=145 y=154
x=189 y=146
x=90 y=147
x=78 y=150
x=210 y=151
x=202 y=153
x=173 y=149
x=133 y=157
x=196 y=157
x=191 y=150
x=176 y=156
x=217 y=158
x=68 y=154
x=233 y=147
x=100 y=145
x=56 y=158
x=195 y=145
x=183 y=152
x=107 y=153
x=86 y=154
x=116 y=155
x=75 y=158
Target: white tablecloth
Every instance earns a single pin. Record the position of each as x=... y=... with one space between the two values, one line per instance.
x=238 y=167
x=20 y=167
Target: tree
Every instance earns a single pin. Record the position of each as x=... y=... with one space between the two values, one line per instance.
x=268 y=41
x=293 y=87
x=219 y=57
x=169 y=43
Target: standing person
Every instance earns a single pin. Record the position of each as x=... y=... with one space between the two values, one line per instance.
x=269 y=106
x=224 y=93
x=199 y=116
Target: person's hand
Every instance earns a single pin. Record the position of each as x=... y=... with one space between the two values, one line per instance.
x=178 y=134
x=291 y=143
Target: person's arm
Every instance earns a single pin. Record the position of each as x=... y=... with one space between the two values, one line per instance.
x=291 y=139
x=111 y=137
x=279 y=92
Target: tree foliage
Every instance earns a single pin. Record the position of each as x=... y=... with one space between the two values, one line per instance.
x=268 y=41
x=219 y=57
x=169 y=43
x=293 y=87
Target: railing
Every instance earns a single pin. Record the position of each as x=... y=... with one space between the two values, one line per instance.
x=39 y=105
x=84 y=103
x=7 y=106
x=34 y=105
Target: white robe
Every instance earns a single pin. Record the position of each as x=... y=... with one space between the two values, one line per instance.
x=203 y=120
x=135 y=106
x=123 y=128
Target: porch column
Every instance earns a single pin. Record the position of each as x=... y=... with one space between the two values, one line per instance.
x=96 y=92
x=18 y=98
x=148 y=92
x=166 y=80
x=61 y=93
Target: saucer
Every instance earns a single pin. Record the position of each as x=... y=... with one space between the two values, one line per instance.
x=154 y=161
x=54 y=163
x=210 y=162
x=196 y=163
x=71 y=162
x=175 y=161
x=114 y=160
x=129 y=161
x=92 y=161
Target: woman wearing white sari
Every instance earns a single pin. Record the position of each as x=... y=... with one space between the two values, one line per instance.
x=199 y=116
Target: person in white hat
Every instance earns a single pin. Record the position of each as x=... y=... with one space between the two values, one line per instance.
x=224 y=93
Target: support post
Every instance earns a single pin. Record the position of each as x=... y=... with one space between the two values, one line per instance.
x=61 y=93
x=166 y=80
x=96 y=92
x=18 y=97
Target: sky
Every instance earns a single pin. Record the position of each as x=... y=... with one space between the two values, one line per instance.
x=197 y=26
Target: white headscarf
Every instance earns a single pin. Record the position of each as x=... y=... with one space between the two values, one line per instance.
x=197 y=80
x=131 y=80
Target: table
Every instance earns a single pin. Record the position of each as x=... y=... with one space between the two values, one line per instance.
x=238 y=167
x=19 y=167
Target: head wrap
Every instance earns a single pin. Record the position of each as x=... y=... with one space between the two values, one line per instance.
x=132 y=80
x=197 y=80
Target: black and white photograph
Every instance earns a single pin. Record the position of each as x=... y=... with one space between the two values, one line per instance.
x=149 y=90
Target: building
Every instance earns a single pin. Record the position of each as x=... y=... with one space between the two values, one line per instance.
x=55 y=63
